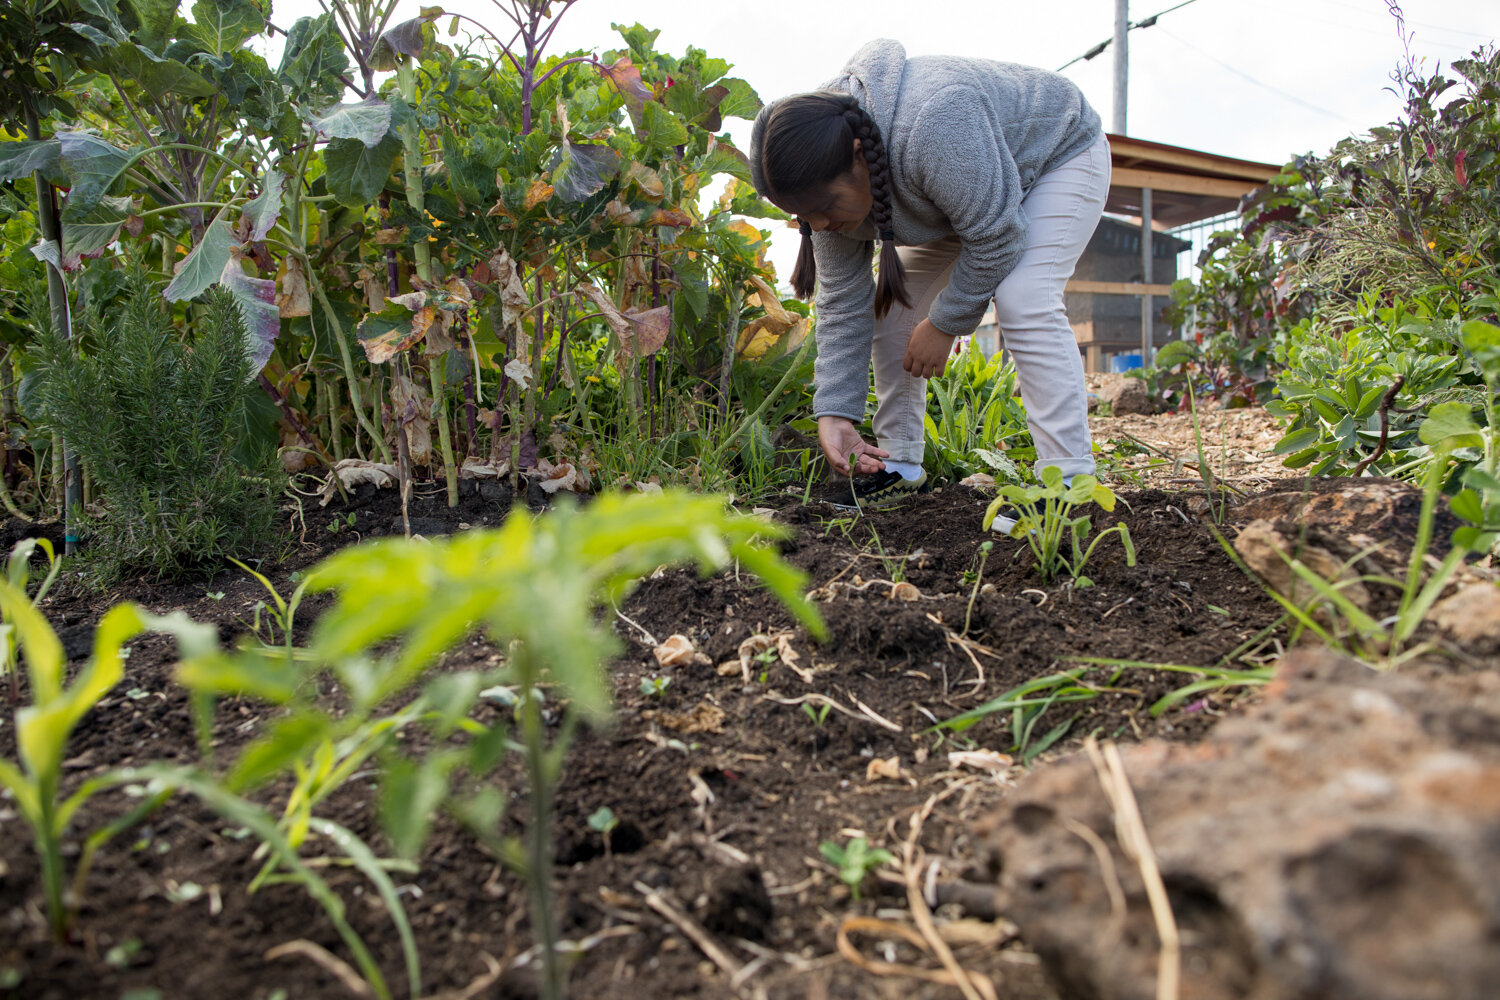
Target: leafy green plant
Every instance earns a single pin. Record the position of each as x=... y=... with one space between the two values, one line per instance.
x=973 y=411
x=604 y=822
x=854 y=860
x=158 y=425
x=55 y=709
x=1055 y=537
x=531 y=587
x=280 y=615
x=655 y=687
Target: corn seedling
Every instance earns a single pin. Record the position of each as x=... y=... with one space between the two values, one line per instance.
x=280 y=614
x=1055 y=537
x=18 y=573
x=44 y=725
x=818 y=714
x=532 y=586
x=985 y=548
x=854 y=860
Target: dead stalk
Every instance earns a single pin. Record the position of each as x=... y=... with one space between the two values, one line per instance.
x=1130 y=828
x=330 y=963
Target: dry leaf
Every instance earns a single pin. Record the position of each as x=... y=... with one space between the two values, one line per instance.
x=413 y=414
x=354 y=472
x=789 y=657
x=519 y=371
x=373 y=286
x=704 y=718
x=678 y=651
x=477 y=468
x=978 y=479
x=905 y=591
x=980 y=760
x=291 y=283
x=889 y=768
x=539 y=192
x=506 y=275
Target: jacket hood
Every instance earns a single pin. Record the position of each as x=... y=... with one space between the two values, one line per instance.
x=873 y=76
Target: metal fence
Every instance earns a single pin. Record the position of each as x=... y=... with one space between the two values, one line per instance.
x=1198 y=234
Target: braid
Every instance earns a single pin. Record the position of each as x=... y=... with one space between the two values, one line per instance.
x=805 y=272
x=891 y=285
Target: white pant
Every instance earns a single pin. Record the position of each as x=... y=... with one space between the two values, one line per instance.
x=1062 y=210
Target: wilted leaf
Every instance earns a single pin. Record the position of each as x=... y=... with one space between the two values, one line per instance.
x=387 y=333
x=582 y=169
x=505 y=274
x=890 y=769
x=625 y=77
x=646 y=180
x=292 y=299
x=263 y=209
x=257 y=301
x=373 y=285
x=519 y=372
x=354 y=472
x=369 y=121
x=413 y=415
x=980 y=760
x=477 y=468
x=204 y=265
x=538 y=193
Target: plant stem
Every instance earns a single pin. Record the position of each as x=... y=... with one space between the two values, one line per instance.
x=539 y=833
x=338 y=336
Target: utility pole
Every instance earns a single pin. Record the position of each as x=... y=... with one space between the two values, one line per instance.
x=1122 y=63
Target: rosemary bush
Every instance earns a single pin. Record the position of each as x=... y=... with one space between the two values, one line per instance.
x=156 y=423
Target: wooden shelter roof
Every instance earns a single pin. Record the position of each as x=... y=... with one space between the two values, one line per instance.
x=1186 y=184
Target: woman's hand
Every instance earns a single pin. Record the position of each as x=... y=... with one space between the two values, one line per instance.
x=839 y=439
x=927 y=352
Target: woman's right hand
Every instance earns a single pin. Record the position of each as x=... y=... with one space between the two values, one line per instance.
x=839 y=439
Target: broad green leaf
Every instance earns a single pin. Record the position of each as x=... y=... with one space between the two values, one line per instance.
x=160 y=77
x=154 y=19
x=741 y=101
x=369 y=121
x=289 y=739
x=92 y=165
x=357 y=173
x=204 y=265
x=583 y=169
x=407 y=39
x=1449 y=426
x=264 y=208
x=256 y=298
x=410 y=795
x=1467 y=505
x=87 y=234
x=1296 y=441
x=19 y=159
x=107 y=11
x=660 y=129
x=23 y=790
x=1483 y=339
x=313 y=58
x=224 y=25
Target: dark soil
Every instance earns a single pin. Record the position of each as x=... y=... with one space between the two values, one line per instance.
x=723 y=791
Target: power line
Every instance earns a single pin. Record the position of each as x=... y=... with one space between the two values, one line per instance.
x=1143 y=23
x=1250 y=79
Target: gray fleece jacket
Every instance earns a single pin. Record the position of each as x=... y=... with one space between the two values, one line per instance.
x=965 y=139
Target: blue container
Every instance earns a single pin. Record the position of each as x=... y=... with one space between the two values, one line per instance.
x=1121 y=363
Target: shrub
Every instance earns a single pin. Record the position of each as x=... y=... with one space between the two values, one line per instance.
x=156 y=422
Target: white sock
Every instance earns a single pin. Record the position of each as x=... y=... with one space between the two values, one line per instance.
x=908 y=470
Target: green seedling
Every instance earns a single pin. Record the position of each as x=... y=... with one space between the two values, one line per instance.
x=604 y=821
x=1047 y=525
x=854 y=861
x=44 y=725
x=818 y=714
x=343 y=522
x=18 y=573
x=280 y=614
x=985 y=548
x=655 y=687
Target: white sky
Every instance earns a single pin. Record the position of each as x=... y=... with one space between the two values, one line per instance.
x=1257 y=79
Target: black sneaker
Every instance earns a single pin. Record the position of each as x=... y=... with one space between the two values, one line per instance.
x=882 y=489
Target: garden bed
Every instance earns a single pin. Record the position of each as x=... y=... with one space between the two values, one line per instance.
x=725 y=775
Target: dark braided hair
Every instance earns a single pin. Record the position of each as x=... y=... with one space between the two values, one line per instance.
x=801 y=144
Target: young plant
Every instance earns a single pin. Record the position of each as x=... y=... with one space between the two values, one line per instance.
x=532 y=587
x=44 y=725
x=280 y=614
x=604 y=821
x=655 y=687
x=854 y=860
x=18 y=573
x=818 y=714
x=1048 y=527
x=985 y=548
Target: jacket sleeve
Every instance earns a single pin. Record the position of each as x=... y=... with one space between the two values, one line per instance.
x=959 y=160
x=845 y=326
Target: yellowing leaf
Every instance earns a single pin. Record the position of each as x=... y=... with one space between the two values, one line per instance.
x=646 y=180
x=539 y=192
x=291 y=284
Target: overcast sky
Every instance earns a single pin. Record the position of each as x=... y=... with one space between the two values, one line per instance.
x=1263 y=80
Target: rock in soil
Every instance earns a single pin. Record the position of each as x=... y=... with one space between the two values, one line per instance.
x=1341 y=842
x=1125 y=395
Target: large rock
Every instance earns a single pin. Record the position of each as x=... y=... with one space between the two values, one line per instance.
x=1341 y=842
x=1125 y=395
x=1266 y=549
